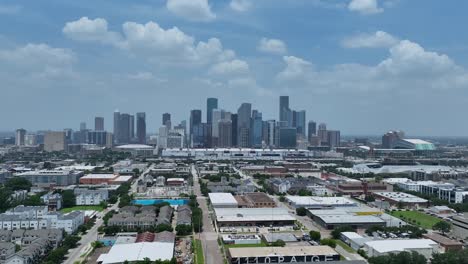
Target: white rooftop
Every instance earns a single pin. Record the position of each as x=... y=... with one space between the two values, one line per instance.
x=99 y=176
x=252 y=214
x=396 y=245
x=351 y=235
x=318 y=200
x=119 y=253
x=222 y=199
x=401 y=197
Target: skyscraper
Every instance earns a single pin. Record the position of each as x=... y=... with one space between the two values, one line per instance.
x=211 y=104
x=300 y=122
x=244 y=114
x=195 y=120
x=132 y=127
x=234 y=129
x=312 y=130
x=20 y=137
x=257 y=129
x=322 y=133
x=141 y=127
x=333 y=138
x=82 y=126
x=225 y=133
x=55 y=141
x=124 y=129
x=99 y=123
x=116 y=126
x=284 y=111
x=166 y=117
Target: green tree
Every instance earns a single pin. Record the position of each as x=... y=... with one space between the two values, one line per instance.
x=183 y=230
x=328 y=242
x=163 y=227
x=18 y=183
x=315 y=235
x=336 y=233
x=68 y=198
x=278 y=243
x=451 y=257
x=301 y=211
x=442 y=226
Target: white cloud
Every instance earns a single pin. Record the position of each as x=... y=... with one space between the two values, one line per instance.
x=233 y=67
x=274 y=46
x=409 y=67
x=85 y=29
x=296 y=68
x=379 y=39
x=38 y=60
x=365 y=7
x=240 y=5
x=193 y=10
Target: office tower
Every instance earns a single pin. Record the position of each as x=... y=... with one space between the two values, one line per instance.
x=166 y=117
x=333 y=138
x=68 y=135
x=211 y=104
x=175 y=139
x=109 y=140
x=200 y=136
x=234 y=129
x=55 y=141
x=287 y=137
x=141 y=127
x=30 y=140
x=82 y=126
x=132 y=127
x=116 y=126
x=99 y=123
x=322 y=133
x=182 y=128
x=20 y=137
x=264 y=133
x=284 y=111
x=256 y=128
x=96 y=137
x=162 y=137
x=300 y=122
x=195 y=120
x=312 y=129
x=225 y=134
x=390 y=138
x=124 y=129
x=244 y=114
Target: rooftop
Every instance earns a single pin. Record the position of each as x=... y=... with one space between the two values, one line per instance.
x=252 y=214
x=401 y=197
x=222 y=199
x=281 y=251
x=138 y=251
x=317 y=200
x=392 y=245
x=100 y=176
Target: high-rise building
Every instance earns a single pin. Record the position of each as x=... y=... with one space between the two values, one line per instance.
x=55 y=141
x=99 y=123
x=124 y=129
x=244 y=114
x=201 y=135
x=225 y=133
x=287 y=137
x=257 y=129
x=390 y=138
x=141 y=127
x=116 y=126
x=271 y=129
x=20 y=137
x=285 y=113
x=211 y=104
x=322 y=133
x=234 y=129
x=132 y=127
x=166 y=119
x=300 y=122
x=195 y=119
x=68 y=135
x=312 y=129
x=97 y=137
x=30 y=140
x=333 y=138
x=82 y=126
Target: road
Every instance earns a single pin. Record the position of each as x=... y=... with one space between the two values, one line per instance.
x=134 y=186
x=78 y=253
x=209 y=236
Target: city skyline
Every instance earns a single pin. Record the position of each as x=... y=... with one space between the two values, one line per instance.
x=353 y=65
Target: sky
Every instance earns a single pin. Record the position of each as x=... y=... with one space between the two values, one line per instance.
x=361 y=66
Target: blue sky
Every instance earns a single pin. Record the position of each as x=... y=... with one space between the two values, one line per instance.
x=361 y=66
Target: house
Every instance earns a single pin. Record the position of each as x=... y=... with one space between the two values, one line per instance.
x=184 y=215
x=165 y=215
x=90 y=197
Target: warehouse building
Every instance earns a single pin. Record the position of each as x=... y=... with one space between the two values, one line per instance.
x=297 y=254
x=318 y=202
x=425 y=247
x=401 y=199
x=223 y=200
x=133 y=252
x=235 y=217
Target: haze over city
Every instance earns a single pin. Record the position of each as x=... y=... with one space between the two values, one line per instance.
x=364 y=67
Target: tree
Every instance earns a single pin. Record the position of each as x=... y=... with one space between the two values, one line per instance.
x=328 y=242
x=68 y=198
x=336 y=233
x=403 y=257
x=301 y=211
x=18 y=183
x=450 y=257
x=163 y=227
x=282 y=198
x=278 y=243
x=442 y=226
x=183 y=230
x=315 y=235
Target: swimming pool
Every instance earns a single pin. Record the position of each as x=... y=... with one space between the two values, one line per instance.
x=158 y=201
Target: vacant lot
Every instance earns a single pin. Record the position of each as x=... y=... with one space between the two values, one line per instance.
x=417 y=218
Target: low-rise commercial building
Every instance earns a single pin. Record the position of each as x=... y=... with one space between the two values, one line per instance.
x=223 y=200
x=425 y=247
x=298 y=254
x=401 y=199
x=235 y=217
x=133 y=252
x=51 y=178
x=444 y=242
x=104 y=179
x=248 y=239
x=318 y=202
x=255 y=200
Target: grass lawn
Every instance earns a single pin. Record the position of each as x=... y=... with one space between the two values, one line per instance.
x=200 y=259
x=344 y=246
x=262 y=244
x=82 y=207
x=423 y=220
